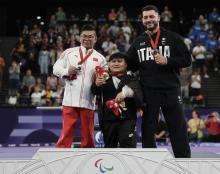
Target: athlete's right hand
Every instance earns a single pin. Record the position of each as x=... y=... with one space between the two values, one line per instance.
x=72 y=70
x=100 y=80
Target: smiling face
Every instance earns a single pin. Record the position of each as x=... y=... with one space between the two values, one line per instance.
x=88 y=39
x=117 y=65
x=150 y=20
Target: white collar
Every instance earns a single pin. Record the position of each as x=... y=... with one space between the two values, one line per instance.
x=116 y=81
x=85 y=51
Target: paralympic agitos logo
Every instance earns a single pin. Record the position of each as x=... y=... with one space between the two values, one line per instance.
x=102 y=168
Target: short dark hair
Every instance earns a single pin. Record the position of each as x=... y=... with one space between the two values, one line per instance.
x=119 y=55
x=197 y=113
x=87 y=27
x=150 y=7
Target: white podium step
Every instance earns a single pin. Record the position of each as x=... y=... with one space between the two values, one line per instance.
x=114 y=161
x=108 y=161
x=15 y=166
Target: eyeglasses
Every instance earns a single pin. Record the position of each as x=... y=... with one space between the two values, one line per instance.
x=87 y=36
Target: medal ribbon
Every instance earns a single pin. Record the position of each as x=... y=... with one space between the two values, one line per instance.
x=83 y=59
x=154 y=44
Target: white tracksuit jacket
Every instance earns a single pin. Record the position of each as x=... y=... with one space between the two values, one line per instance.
x=77 y=92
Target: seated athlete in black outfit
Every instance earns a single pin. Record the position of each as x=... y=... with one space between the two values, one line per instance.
x=119 y=98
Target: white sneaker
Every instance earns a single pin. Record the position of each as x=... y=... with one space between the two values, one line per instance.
x=206 y=76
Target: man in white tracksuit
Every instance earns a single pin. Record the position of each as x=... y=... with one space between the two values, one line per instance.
x=77 y=66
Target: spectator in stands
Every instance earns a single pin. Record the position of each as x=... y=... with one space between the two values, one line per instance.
x=203 y=22
x=212 y=50
x=74 y=29
x=36 y=33
x=24 y=96
x=195 y=127
x=212 y=28
x=127 y=30
x=77 y=66
x=71 y=42
x=166 y=17
x=58 y=95
x=36 y=97
x=107 y=45
x=47 y=96
x=191 y=35
x=53 y=57
x=28 y=80
x=103 y=33
x=45 y=40
x=196 y=28
x=53 y=21
x=113 y=30
x=214 y=19
x=162 y=133
x=52 y=82
x=198 y=101
x=73 y=17
x=214 y=15
x=19 y=52
x=51 y=36
x=121 y=14
x=25 y=32
x=39 y=85
x=32 y=63
x=60 y=14
x=112 y=16
x=199 y=53
x=121 y=43
x=202 y=35
x=101 y=18
x=33 y=44
x=213 y=126
x=2 y=66
x=195 y=83
x=59 y=47
x=87 y=17
x=44 y=60
x=113 y=50
x=14 y=78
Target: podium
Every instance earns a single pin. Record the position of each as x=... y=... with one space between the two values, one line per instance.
x=108 y=161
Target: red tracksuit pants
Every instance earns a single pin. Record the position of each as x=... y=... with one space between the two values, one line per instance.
x=70 y=116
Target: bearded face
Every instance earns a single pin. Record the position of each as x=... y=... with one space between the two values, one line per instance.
x=150 y=20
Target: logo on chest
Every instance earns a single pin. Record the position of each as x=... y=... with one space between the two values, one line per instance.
x=145 y=54
x=95 y=59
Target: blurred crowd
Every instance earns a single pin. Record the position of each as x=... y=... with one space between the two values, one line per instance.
x=201 y=128
x=205 y=129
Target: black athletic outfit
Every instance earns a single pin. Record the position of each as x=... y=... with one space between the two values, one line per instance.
x=117 y=130
x=161 y=88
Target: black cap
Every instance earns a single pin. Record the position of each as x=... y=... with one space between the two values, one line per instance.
x=119 y=55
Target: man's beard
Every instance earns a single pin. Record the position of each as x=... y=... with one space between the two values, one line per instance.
x=155 y=25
